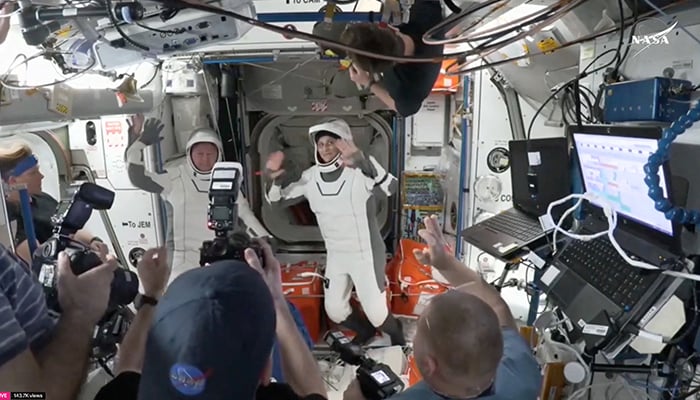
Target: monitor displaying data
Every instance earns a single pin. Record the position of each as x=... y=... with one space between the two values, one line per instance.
x=613 y=169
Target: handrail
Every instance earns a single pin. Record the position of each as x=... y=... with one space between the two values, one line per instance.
x=106 y=220
x=5 y=222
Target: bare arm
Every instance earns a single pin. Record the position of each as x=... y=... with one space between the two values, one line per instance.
x=58 y=368
x=468 y=280
x=64 y=360
x=383 y=95
x=298 y=364
x=153 y=272
x=459 y=275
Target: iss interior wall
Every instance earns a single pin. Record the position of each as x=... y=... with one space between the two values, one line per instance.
x=491 y=129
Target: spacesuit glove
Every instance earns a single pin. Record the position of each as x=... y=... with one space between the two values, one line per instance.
x=151 y=131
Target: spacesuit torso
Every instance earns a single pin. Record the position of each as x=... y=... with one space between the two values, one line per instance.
x=186 y=190
x=341 y=210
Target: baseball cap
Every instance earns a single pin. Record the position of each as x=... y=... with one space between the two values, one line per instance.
x=212 y=335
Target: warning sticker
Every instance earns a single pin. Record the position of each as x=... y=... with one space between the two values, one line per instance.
x=114 y=134
x=319 y=106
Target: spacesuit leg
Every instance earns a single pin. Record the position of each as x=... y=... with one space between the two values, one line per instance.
x=337 y=302
x=369 y=279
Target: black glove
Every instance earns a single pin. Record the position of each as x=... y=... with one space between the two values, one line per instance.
x=151 y=131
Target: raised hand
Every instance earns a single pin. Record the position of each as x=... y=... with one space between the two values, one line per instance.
x=348 y=151
x=437 y=253
x=151 y=131
x=274 y=164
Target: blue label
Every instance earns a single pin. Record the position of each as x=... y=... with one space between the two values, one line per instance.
x=187 y=379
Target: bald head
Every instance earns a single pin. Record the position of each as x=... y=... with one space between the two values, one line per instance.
x=462 y=333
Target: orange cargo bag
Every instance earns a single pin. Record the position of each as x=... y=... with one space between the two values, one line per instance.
x=304 y=288
x=412 y=283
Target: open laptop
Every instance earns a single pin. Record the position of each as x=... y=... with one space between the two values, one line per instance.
x=539 y=176
x=589 y=280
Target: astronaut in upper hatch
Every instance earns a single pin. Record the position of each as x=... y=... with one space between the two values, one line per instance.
x=340 y=191
x=184 y=184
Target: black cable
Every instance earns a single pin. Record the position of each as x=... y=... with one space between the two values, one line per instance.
x=169 y=32
x=155 y=74
x=113 y=20
x=585 y=72
x=452 y=6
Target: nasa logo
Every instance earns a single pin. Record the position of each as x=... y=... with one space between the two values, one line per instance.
x=187 y=379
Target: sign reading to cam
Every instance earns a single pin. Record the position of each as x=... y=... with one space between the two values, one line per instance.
x=304 y=1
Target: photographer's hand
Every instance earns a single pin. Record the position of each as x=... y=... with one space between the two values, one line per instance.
x=298 y=364
x=154 y=272
x=100 y=248
x=272 y=273
x=85 y=297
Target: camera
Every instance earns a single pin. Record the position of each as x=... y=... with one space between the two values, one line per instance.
x=222 y=217
x=377 y=380
x=89 y=196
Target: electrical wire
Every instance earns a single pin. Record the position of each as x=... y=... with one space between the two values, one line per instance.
x=3 y=78
x=464 y=66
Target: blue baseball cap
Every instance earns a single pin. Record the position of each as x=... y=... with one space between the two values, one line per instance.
x=212 y=335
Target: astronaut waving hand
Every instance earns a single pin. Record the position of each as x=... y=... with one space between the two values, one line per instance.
x=184 y=184
x=343 y=201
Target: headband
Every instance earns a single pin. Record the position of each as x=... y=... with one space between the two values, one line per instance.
x=23 y=166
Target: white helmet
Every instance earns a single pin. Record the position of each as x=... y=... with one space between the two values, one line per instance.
x=332 y=126
x=203 y=135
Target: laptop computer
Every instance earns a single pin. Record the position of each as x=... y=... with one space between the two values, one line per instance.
x=588 y=280
x=539 y=176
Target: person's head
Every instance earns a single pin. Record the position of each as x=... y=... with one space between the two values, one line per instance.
x=375 y=38
x=203 y=151
x=212 y=336
x=458 y=345
x=325 y=136
x=18 y=165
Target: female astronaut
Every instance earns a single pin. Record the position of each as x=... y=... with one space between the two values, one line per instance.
x=339 y=189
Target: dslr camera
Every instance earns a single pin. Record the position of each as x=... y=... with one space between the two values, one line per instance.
x=125 y=284
x=377 y=380
x=222 y=217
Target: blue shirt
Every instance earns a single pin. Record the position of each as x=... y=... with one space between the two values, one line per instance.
x=518 y=375
x=24 y=319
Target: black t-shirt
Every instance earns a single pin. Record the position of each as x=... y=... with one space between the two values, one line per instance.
x=410 y=83
x=43 y=207
x=126 y=387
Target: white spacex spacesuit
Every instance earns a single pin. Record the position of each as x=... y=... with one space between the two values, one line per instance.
x=186 y=189
x=342 y=199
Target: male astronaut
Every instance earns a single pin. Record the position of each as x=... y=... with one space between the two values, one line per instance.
x=340 y=190
x=184 y=184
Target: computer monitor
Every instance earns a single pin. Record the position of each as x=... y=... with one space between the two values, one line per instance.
x=612 y=168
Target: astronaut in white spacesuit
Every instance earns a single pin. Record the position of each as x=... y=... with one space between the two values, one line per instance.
x=340 y=191
x=184 y=184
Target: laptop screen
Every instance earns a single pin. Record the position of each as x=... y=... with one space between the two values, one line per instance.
x=613 y=168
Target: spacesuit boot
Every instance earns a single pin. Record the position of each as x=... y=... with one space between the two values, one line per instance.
x=394 y=328
x=364 y=331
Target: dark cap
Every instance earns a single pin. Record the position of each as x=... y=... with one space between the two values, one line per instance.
x=212 y=335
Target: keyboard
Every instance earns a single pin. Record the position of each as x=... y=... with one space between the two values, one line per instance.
x=515 y=224
x=601 y=266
